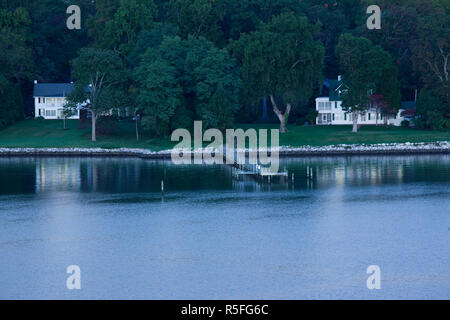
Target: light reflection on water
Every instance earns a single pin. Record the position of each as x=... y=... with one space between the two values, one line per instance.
x=213 y=237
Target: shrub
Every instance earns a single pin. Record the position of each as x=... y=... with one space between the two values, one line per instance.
x=312 y=116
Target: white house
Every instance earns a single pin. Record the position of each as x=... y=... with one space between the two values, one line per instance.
x=50 y=98
x=331 y=113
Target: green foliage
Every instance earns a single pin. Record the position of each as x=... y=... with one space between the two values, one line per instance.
x=11 y=103
x=131 y=17
x=312 y=116
x=158 y=94
x=280 y=58
x=99 y=78
x=432 y=110
x=389 y=86
x=362 y=64
x=15 y=53
x=197 y=18
x=335 y=18
x=217 y=89
x=281 y=47
x=190 y=76
x=150 y=39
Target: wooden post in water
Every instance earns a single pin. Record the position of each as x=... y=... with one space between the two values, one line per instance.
x=162 y=188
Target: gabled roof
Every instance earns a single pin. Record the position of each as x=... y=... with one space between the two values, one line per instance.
x=52 y=89
x=335 y=87
x=408 y=105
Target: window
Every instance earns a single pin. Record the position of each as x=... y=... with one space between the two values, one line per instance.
x=333 y=116
x=335 y=104
x=50 y=113
x=324 y=105
x=368 y=116
x=345 y=116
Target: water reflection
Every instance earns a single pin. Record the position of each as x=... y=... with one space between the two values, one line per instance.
x=217 y=238
x=113 y=175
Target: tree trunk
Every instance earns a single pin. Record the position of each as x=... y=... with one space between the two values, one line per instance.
x=137 y=127
x=282 y=117
x=94 y=120
x=355 y=122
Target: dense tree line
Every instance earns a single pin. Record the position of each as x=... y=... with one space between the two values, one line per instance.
x=174 y=61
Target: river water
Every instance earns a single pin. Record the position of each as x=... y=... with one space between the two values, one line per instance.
x=211 y=237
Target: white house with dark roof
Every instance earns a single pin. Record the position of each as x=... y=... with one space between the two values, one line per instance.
x=330 y=111
x=50 y=98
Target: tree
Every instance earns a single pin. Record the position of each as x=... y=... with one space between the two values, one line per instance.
x=432 y=110
x=150 y=39
x=97 y=21
x=387 y=99
x=244 y=16
x=131 y=17
x=158 y=93
x=400 y=19
x=362 y=64
x=432 y=48
x=11 y=104
x=180 y=80
x=432 y=59
x=217 y=89
x=379 y=103
x=335 y=18
x=16 y=61
x=281 y=60
x=99 y=83
x=198 y=18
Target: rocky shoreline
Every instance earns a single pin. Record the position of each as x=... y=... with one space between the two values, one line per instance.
x=441 y=147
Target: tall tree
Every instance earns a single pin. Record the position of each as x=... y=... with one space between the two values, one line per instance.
x=432 y=48
x=188 y=79
x=362 y=64
x=335 y=18
x=131 y=17
x=197 y=18
x=158 y=94
x=217 y=89
x=16 y=61
x=99 y=83
x=281 y=60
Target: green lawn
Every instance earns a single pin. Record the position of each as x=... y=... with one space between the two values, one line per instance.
x=332 y=135
x=49 y=133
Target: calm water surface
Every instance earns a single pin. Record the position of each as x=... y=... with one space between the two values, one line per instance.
x=210 y=237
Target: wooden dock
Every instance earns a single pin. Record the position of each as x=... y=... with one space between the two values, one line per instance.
x=253 y=170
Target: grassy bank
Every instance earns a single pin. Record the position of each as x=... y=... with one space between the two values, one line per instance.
x=49 y=133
